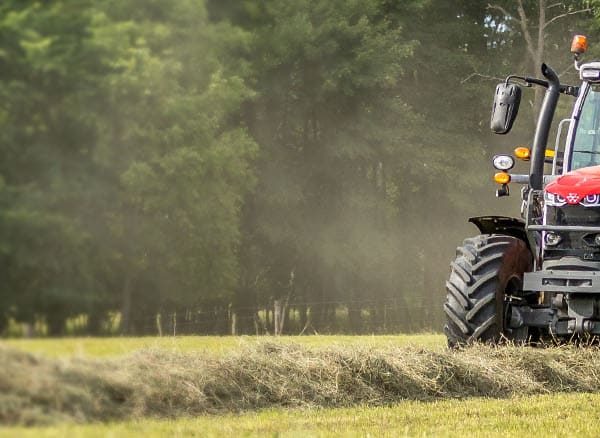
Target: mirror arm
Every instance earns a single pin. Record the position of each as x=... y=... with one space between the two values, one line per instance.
x=526 y=81
x=519 y=80
x=570 y=90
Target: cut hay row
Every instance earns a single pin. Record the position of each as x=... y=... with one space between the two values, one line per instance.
x=38 y=390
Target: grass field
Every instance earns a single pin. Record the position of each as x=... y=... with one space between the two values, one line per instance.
x=539 y=416
x=107 y=347
x=510 y=413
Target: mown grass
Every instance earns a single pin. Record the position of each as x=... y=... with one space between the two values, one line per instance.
x=536 y=416
x=111 y=347
x=36 y=390
x=298 y=386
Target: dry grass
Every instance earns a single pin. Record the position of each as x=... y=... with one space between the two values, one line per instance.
x=37 y=390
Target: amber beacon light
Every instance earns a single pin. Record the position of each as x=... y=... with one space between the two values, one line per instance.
x=579 y=44
x=523 y=153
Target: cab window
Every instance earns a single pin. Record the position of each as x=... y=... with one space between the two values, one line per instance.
x=586 y=147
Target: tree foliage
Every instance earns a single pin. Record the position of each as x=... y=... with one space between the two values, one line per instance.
x=205 y=160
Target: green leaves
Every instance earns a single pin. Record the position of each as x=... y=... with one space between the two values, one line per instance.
x=123 y=117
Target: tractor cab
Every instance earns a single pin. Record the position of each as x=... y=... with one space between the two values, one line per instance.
x=572 y=200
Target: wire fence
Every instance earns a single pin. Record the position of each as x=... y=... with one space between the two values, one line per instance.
x=277 y=317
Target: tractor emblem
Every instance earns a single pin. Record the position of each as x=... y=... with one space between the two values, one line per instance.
x=572 y=198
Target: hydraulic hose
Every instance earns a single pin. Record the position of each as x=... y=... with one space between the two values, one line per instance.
x=542 y=130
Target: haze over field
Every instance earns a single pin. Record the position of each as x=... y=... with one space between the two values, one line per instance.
x=187 y=167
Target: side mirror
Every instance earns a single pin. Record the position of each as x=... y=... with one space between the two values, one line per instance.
x=506 y=107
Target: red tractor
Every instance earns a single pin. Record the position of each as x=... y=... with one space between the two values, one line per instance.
x=537 y=277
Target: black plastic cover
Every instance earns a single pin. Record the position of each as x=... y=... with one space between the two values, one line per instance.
x=506 y=107
x=501 y=225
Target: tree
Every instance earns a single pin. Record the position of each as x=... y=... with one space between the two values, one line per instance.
x=125 y=190
x=534 y=20
x=329 y=129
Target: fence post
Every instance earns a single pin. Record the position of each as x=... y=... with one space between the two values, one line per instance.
x=159 y=324
x=385 y=318
x=255 y=318
x=277 y=317
x=28 y=330
x=174 y=323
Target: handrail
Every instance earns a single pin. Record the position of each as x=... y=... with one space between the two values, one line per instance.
x=557 y=143
x=563 y=228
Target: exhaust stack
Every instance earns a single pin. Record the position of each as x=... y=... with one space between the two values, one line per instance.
x=540 y=139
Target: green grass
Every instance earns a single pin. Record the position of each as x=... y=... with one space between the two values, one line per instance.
x=107 y=347
x=556 y=415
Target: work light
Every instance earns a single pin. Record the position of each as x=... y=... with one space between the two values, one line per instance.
x=503 y=162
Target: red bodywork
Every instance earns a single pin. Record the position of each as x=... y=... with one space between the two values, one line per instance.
x=577 y=184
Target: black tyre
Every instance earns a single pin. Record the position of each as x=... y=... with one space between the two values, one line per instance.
x=488 y=271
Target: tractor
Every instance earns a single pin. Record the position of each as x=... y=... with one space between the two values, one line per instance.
x=536 y=278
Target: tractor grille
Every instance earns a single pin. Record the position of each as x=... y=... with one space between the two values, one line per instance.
x=573 y=215
x=574 y=243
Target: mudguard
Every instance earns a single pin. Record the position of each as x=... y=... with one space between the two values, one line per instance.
x=508 y=226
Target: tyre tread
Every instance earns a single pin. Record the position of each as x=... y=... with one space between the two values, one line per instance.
x=471 y=299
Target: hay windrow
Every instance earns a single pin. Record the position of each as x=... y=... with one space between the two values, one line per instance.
x=37 y=390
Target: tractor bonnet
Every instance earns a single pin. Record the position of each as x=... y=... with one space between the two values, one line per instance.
x=577 y=184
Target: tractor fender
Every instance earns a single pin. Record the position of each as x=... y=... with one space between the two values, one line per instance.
x=507 y=226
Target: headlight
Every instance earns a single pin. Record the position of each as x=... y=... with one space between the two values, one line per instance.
x=591 y=201
x=553 y=200
x=503 y=162
x=552 y=239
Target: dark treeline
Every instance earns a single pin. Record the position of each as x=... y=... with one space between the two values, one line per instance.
x=252 y=166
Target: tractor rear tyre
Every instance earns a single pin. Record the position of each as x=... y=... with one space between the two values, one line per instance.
x=487 y=272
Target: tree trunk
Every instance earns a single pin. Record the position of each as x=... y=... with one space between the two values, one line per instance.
x=277 y=317
x=174 y=324
x=303 y=310
x=28 y=330
x=289 y=322
x=354 y=319
x=126 y=306
x=332 y=317
x=3 y=324
x=268 y=318
x=94 y=323
x=55 y=324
